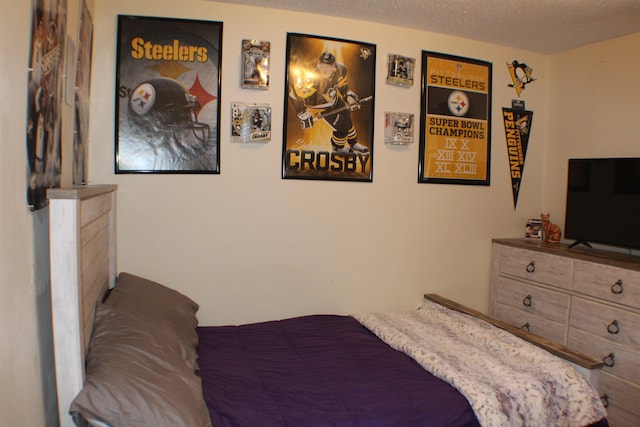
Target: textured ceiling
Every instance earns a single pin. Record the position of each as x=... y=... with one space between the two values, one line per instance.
x=544 y=26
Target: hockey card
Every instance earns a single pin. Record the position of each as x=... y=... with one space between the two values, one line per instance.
x=398 y=128
x=255 y=64
x=400 y=70
x=250 y=122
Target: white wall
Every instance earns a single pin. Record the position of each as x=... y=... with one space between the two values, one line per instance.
x=20 y=374
x=27 y=395
x=593 y=95
x=250 y=246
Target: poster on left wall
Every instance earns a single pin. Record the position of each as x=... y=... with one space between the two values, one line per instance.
x=168 y=95
x=44 y=99
x=82 y=90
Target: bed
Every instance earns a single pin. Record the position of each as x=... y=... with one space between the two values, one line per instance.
x=129 y=351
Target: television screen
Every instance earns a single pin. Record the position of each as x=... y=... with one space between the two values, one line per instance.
x=603 y=201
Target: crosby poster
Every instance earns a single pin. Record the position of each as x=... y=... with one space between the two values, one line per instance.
x=455 y=130
x=168 y=95
x=329 y=95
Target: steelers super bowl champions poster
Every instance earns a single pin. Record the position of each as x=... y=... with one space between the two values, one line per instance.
x=329 y=109
x=168 y=95
x=455 y=125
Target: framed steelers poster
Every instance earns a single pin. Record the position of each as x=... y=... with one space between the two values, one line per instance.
x=168 y=95
x=455 y=120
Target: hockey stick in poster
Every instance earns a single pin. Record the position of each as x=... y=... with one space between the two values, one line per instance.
x=307 y=119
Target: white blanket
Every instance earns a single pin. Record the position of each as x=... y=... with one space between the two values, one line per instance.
x=507 y=381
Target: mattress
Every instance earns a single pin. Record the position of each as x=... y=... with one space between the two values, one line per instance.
x=322 y=370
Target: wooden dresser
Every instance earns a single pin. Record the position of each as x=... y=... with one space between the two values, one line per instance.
x=585 y=299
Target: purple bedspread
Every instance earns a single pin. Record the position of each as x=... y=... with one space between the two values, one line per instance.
x=322 y=370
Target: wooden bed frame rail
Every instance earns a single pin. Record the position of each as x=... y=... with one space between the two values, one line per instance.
x=584 y=364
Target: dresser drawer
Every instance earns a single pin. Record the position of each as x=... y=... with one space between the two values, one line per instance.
x=619 y=360
x=613 y=284
x=603 y=321
x=536 y=266
x=533 y=299
x=621 y=399
x=546 y=328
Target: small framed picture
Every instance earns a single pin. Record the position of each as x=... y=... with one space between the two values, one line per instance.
x=250 y=122
x=400 y=70
x=533 y=229
x=255 y=64
x=398 y=128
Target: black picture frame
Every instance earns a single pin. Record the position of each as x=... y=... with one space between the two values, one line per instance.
x=328 y=119
x=455 y=120
x=168 y=95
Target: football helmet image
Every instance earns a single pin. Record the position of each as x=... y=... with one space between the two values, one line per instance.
x=163 y=104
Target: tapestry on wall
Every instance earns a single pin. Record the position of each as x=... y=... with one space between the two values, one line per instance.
x=44 y=99
x=83 y=84
x=455 y=120
x=329 y=109
x=517 y=128
x=168 y=95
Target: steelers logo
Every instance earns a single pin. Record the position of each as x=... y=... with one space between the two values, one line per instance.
x=458 y=103
x=143 y=98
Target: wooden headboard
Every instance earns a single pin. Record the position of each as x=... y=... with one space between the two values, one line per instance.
x=82 y=241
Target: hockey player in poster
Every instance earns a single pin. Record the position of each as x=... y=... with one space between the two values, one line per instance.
x=325 y=94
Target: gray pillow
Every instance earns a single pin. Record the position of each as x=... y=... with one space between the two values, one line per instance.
x=168 y=312
x=136 y=372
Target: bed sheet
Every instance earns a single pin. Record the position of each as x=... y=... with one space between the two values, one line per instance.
x=322 y=370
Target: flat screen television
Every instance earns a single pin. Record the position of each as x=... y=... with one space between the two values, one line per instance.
x=603 y=202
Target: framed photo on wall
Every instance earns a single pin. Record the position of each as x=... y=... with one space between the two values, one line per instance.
x=45 y=95
x=168 y=95
x=329 y=109
x=455 y=120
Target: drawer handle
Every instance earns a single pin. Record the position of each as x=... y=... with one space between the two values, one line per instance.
x=616 y=288
x=613 y=328
x=526 y=327
x=531 y=267
x=605 y=400
x=609 y=360
x=527 y=301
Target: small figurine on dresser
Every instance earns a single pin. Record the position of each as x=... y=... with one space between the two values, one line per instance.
x=551 y=232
